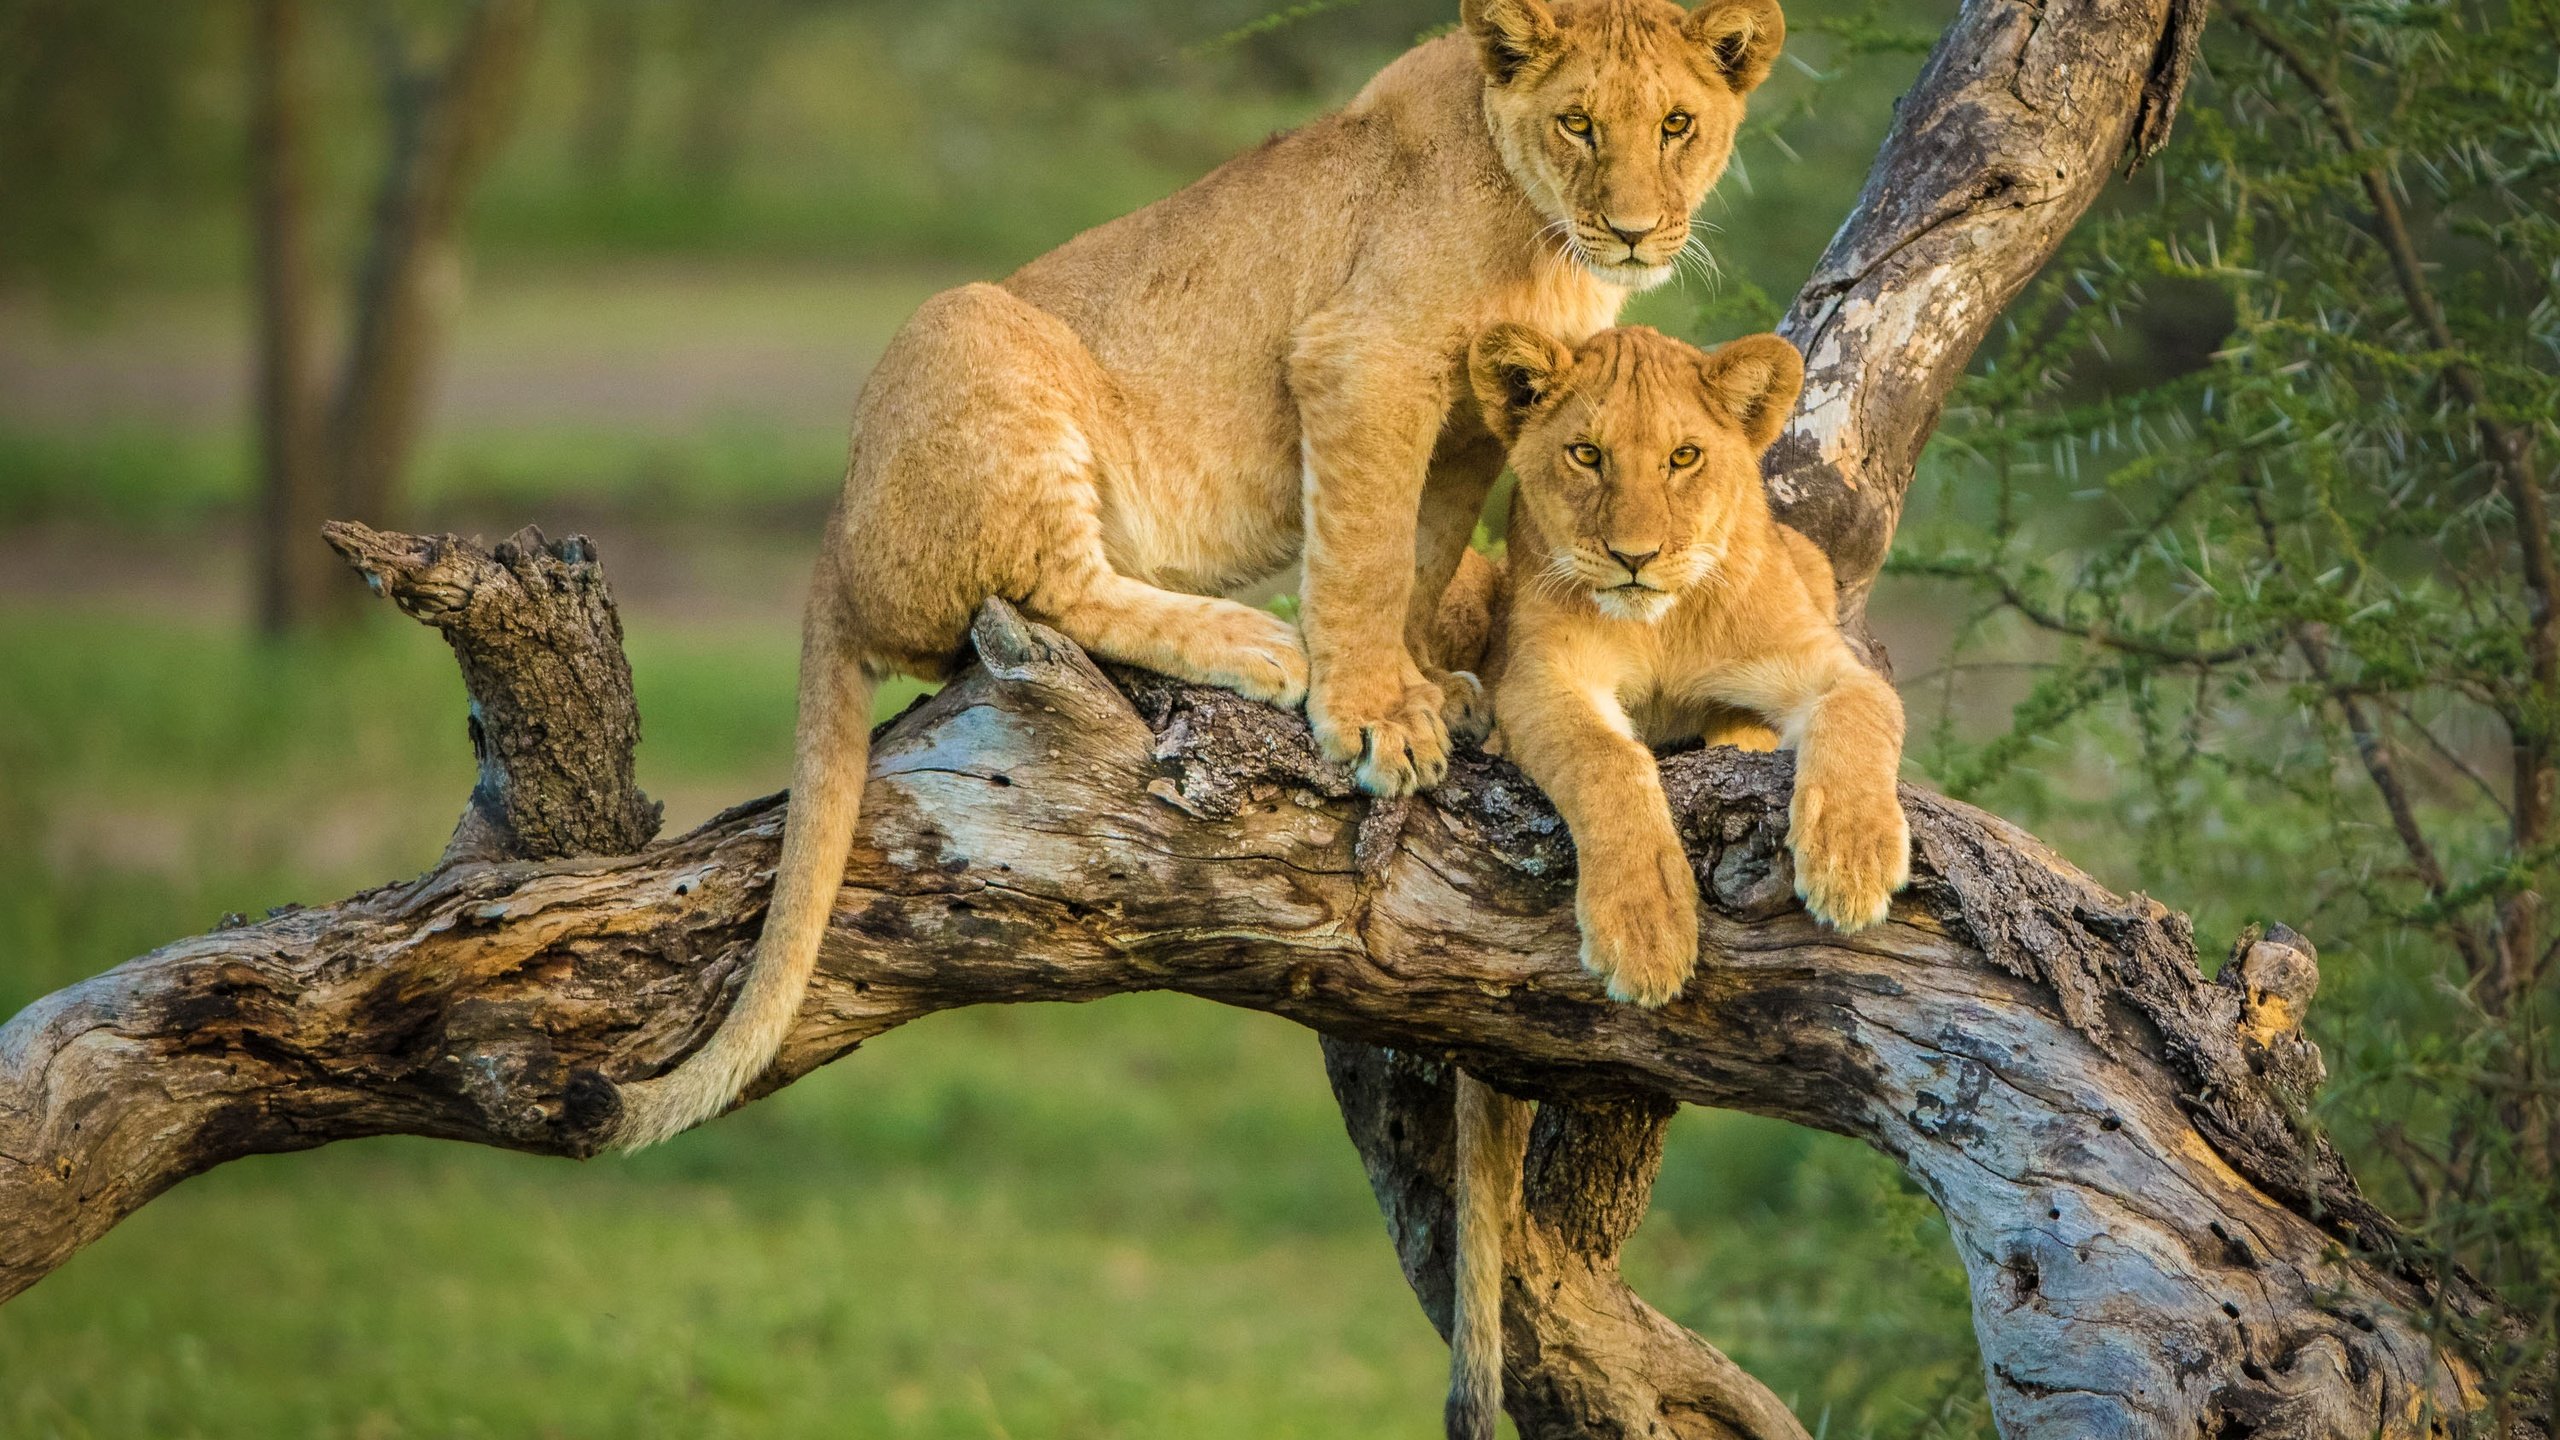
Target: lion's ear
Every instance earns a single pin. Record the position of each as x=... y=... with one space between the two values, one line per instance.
x=1756 y=380
x=1514 y=368
x=1741 y=36
x=1511 y=36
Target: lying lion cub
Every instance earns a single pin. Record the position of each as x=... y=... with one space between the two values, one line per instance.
x=1268 y=363
x=1651 y=596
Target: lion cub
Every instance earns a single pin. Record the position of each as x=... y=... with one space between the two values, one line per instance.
x=1651 y=596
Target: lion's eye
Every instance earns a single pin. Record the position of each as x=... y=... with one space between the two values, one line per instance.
x=1584 y=454
x=1685 y=456
x=1575 y=123
x=1676 y=123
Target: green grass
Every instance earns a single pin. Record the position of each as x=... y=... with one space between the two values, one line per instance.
x=1135 y=1218
x=150 y=478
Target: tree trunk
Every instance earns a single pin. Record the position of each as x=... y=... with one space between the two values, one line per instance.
x=608 y=91
x=296 y=582
x=1584 y=1354
x=445 y=130
x=731 y=40
x=2013 y=128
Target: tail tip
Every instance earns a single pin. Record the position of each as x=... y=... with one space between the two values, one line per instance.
x=1467 y=1417
x=591 y=1111
x=646 y=1118
x=654 y=1111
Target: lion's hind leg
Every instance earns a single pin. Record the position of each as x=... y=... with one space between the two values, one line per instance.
x=1193 y=637
x=989 y=442
x=1200 y=638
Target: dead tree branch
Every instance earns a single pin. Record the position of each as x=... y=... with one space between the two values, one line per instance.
x=2013 y=128
x=553 y=723
x=2155 y=1250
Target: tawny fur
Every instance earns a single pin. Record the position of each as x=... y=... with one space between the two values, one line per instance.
x=1648 y=595
x=1265 y=365
x=1493 y=1138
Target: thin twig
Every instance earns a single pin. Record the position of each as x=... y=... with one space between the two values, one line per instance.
x=2013 y=598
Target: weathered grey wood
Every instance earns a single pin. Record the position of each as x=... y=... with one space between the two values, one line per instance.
x=2015 y=125
x=553 y=723
x=2042 y=1056
x=1583 y=1353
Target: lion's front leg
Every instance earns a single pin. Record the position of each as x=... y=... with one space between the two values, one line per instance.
x=1635 y=896
x=1368 y=415
x=1463 y=470
x=1845 y=827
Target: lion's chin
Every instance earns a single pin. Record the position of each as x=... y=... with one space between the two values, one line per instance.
x=1630 y=276
x=1629 y=602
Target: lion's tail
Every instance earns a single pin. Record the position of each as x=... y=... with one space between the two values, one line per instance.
x=1493 y=1134
x=834 y=754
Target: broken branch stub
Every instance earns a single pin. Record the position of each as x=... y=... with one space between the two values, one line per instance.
x=554 y=727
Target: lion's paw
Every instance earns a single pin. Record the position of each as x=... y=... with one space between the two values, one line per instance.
x=1465 y=708
x=1265 y=660
x=1852 y=851
x=1639 y=924
x=1395 y=743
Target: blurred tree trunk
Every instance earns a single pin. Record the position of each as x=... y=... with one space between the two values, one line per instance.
x=729 y=40
x=606 y=96
x=296 y=579
x=446 y=125
x=445 y=129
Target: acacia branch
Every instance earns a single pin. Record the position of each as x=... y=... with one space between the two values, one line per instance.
x=2510 y=455
x=2014 y=599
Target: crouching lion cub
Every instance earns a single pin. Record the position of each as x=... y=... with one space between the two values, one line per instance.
x=1265 y=364
x=1650 y=596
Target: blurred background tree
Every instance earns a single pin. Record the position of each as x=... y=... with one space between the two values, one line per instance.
x=443 y=120
x=1141 y=1217
x=106 y=122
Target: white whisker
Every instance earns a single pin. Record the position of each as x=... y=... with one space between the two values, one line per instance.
x=1695 y=252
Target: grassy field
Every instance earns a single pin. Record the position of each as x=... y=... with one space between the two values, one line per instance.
x=1135 y=1218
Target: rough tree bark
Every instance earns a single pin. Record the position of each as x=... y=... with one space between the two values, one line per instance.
x=553 y=723
x=2014 y=126
x=2155 y=1249
x=1584 y=1354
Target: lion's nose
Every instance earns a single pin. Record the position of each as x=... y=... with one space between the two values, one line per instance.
x=1634 y=563
x=1628 y=232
